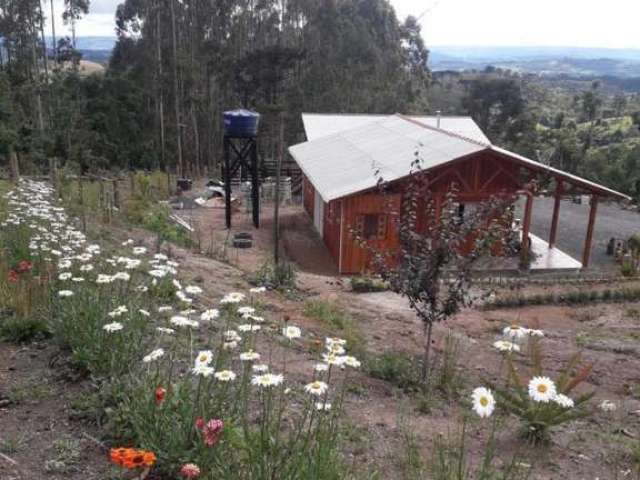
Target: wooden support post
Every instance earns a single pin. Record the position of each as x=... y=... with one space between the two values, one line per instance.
x=526 y=225
x=556 y=215
x=586 y=253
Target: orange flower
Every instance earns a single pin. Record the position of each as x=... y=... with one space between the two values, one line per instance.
x=132 y=457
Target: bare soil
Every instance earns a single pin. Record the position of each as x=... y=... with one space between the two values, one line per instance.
x=379 y=416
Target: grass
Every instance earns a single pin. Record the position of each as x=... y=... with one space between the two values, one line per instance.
x=339 y=322
x=28 y=392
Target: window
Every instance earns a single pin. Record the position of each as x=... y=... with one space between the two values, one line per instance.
x=372 y=226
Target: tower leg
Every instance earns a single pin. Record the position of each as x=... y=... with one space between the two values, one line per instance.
x=255 y=185
x=227 y=182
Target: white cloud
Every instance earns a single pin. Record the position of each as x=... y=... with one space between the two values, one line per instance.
x=587 y=23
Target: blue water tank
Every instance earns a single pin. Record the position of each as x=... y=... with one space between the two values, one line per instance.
x=241 y=123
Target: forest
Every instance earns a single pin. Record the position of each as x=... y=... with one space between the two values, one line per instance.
x=177 y=66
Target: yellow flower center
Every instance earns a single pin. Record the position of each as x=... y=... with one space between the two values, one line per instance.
x=542 y=388
x=484 y=401
x=203 y=358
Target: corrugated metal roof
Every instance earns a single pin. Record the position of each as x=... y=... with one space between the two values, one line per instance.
x=318 y=125
x=352 y=160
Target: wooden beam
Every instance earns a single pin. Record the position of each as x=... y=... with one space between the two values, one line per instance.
x=526 y=224
x=586 y=253
x=556 y=214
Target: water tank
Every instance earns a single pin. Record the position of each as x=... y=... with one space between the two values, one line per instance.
x=241 y=123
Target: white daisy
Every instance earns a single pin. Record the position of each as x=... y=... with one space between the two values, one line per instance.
x=246 y=310
x=233 y=297
x=563 y=400
x=65 y=293
x=506 y=346
x=515 y=332
x=260 y=368
x=249 y=356
x=154 y=355
x=291 y=332
x=352 y=362
x=202 y=370
x=193 y=290
x=542 y=389
x=267 y=380
x=323 y=406
x=112 y=327
x=316 y=388
x=209 y=315
x=225 y=376
x=483 y=402
x=204 y=357
x=258 y=289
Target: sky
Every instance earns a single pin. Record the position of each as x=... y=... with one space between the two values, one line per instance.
x=579 y=23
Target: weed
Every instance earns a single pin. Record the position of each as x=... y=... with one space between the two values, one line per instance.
x=281 y=276
x=11 y=445
x=66 y=453
x=29 y=392
x=397 y=368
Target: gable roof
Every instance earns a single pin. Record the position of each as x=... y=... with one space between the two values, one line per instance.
x=318 y=125
x=352 y=160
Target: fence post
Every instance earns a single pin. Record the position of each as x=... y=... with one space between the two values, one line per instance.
x=14 y=168
x=116 y=194
x=53 y=174
x=81 y=203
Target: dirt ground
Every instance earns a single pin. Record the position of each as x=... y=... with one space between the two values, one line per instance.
x=606 y=335
x=379 y=416
x=43 y=434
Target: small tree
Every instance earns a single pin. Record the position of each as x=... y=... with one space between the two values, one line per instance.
x=433 y=267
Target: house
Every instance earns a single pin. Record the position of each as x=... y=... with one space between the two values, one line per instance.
x=346 y=155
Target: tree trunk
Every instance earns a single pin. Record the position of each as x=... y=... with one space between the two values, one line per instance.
x=176 y=99
x=53 y=33
x=426 y=354
x=160 y=93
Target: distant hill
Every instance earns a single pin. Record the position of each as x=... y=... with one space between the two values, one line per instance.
x=93 y=49
x=572 y=61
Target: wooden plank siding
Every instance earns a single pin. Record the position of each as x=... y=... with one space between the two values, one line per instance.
x=357 y=259
x=331 y=228
x=477 y=178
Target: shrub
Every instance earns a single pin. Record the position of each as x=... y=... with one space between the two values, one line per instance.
x=366 y=284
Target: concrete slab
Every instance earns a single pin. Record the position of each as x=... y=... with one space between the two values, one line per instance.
x=551 y=259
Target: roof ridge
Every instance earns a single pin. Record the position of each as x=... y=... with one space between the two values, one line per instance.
x=384 y=115
x=442 y=130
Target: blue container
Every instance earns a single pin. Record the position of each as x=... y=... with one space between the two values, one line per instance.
x=241 y=123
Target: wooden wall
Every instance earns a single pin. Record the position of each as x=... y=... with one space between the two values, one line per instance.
x=355 y=258
x=477 y=177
